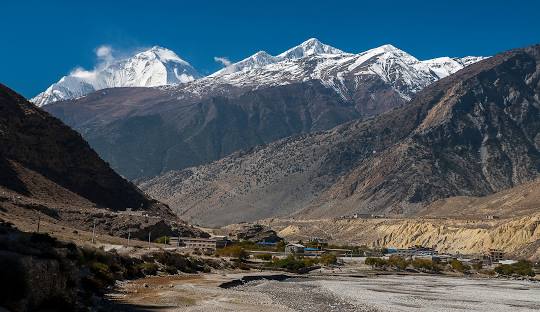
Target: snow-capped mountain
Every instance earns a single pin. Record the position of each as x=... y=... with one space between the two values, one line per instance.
x=309 y=47
x=262 y=58
x=154 y=67
x=344 y=72
x=311 y=60
x=143 y=132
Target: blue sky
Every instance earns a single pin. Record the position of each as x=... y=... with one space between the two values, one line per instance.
x=43 y=40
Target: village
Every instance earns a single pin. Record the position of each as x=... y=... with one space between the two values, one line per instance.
x=257 y=244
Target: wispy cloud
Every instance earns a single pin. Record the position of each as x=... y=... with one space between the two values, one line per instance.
x=104 y=55
x=222 y=60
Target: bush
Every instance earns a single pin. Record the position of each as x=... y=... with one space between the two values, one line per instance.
x=328 y=259
x=163 y=240
x=170 y=270
x=376 y=262
x=398 y=262
x=521 y=268
x=148 y=268
x=291 y=263
x=458 y=266
x=265 y=257
x=426 y=265
x=234 y=251
x=102 y=272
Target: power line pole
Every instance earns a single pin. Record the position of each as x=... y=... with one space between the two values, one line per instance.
x=94 y=232
x=149 y=234
x=129 y=235
x=38 y=223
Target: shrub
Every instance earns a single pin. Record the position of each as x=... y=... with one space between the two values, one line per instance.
x=148 y=268
x=458 y=266
x=376 y=262
x=265 y=257
x=328 y=259
x=521 y=268
x=102 y=271
x=291 y=263
x=426 y=265
x=162 y=240
x=398 y=262
x=170 y=269
x=234 y=251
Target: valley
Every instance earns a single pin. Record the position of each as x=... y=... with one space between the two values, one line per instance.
x=270 y=172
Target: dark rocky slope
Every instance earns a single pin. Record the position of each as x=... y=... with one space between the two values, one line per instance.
x=145 y=132
x=48 y=171
x=31 y=138
x=473 y=133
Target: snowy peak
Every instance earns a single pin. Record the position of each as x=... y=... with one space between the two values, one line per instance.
x=261 y=59
x=445 y=66
x=309 y=47
x=257 y=60
x=310 y=60
x=313 y=60
x=154 y=67
x=162 y=54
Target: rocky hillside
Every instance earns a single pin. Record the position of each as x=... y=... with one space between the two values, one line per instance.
x=473 y=133
x=519 y=237
x=521 y=200
x=34 y=142
x=157 y=134
x=144 y=132
x=48 y=171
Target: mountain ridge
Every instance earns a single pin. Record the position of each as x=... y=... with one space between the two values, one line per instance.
x=395 y=163
x=160 y=67
x=194 y=123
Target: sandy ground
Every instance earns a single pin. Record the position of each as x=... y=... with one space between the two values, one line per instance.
x=193 y=293
x=330 y=293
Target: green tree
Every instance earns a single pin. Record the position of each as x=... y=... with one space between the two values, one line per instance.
x=458 y=266
x=376 y=262
x=398 y=262
x=522 y=268
x=328 y=259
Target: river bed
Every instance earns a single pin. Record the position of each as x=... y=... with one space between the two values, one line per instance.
x=335 y=293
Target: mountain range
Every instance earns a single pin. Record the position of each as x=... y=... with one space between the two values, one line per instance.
x=145 y=132
x=472 y=133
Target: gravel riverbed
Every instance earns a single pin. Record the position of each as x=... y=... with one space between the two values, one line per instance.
x=201 y=293
x=400 y=293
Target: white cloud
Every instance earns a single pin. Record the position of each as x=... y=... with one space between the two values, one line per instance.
x=104 y=55
x=222 y=60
